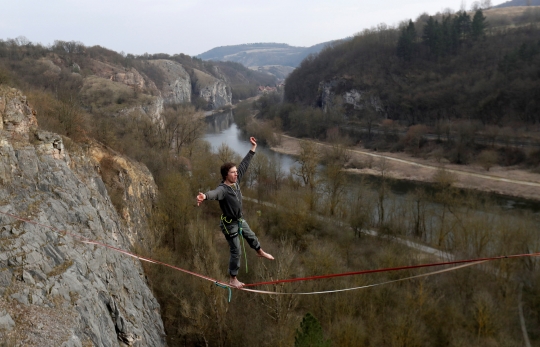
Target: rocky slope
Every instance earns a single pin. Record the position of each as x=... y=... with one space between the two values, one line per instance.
x=55 y=290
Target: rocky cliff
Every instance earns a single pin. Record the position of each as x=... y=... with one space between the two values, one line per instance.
x=55 y=290
x=120 y=90
x=358 y=99
x=215 y=91
x=176 y=87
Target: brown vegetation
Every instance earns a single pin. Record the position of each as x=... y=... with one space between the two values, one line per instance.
x=313 y=221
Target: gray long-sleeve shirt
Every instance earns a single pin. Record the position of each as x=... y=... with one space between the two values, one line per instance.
x=230 y=198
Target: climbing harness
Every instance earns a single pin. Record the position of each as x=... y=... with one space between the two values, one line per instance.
x=240 y=232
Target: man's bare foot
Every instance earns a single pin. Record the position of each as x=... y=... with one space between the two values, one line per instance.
x=235 y=282
x=263 y=254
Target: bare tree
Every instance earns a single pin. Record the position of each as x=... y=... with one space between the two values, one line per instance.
x=384 y=166
x=486 y=4
x=308 y=161
x=183 y=125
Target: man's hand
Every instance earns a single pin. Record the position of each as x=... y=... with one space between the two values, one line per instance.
x=253 y=143
x=200 y=198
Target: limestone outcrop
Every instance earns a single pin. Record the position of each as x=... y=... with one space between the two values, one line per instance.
x=54 y=289
x=358 y=99
x=176 y=87
x=128 y=76
x=214 y=91
x=131 y=187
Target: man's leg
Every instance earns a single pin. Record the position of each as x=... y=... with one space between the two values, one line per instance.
x=253 y=242
x=234 y=261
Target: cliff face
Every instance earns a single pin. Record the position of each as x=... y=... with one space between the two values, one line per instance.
x=128 y=76
x=176 y=88
x=358 y=99
x=55 y=290
x=215 y=91
x=130 y=186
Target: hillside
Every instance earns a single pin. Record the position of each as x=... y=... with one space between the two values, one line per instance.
x=454 y=87
x=264 y=55
x=513 y=3
x=423 y=81
x=108 y=82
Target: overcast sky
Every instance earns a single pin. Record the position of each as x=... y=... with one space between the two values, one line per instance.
x=193 y=27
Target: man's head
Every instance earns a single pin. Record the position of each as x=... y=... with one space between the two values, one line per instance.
x=229 y=172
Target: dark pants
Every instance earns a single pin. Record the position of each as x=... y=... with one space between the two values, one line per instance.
x=230 y=230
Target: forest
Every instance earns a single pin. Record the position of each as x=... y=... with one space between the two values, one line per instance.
x=443 y=67
x=456 y=87
x=315 y=219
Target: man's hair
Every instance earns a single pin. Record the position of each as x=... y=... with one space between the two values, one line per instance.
x=225 y=169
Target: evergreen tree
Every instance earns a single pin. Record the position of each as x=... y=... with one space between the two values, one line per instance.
x=431 y=37
x=446 y=36
x=406 y=42
x=462 y=23
x=310 y=333
x=479 y=25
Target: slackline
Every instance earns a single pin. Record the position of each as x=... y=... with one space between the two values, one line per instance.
x=464 y=263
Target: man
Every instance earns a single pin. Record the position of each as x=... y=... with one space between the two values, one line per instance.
x=232 y=224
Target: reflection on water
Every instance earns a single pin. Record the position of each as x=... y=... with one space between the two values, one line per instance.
x=222 y=129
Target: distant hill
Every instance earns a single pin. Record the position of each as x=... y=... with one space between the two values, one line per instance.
x=263 y=54
x=519 y=3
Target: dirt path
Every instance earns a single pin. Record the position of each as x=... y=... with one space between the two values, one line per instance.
x=502 y=180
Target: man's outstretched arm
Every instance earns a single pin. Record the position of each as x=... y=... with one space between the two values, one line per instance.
x=253 y=143
x=200 y=198
x=216 y=194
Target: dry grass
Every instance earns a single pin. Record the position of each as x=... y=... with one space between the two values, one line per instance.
x=36 y=325
x=512 y=16
x=102 y=93
x=60 y=269
x=203 y=79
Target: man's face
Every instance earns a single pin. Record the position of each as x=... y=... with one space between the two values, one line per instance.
x=232 y=175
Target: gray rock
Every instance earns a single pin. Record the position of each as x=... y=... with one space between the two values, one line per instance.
x=20 y=297
x=176 y=89
x=5 y=278
x=53 y=188
x=6 y=322
x=73 y=341
x=28 y=278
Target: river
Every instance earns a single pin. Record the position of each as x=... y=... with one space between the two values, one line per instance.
x=222 y=129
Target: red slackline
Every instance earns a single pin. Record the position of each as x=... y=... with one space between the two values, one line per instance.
x=310 y=278
x=392 y=269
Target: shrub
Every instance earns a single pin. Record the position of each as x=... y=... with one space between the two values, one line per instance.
x=510 y=156
x=533 y=159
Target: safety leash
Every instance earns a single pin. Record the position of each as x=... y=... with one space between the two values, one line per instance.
x=243 y=245
x=226 y=287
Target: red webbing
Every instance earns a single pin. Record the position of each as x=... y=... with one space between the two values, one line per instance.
x=86 y=240
x=391 y=269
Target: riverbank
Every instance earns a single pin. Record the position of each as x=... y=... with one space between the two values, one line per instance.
x=509 y=181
